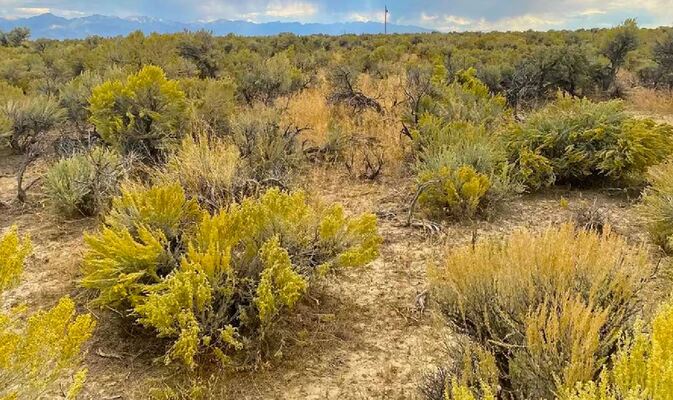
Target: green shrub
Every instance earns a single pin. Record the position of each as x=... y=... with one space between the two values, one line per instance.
x=40 y=354
x=461 y=167
x=269 y=79
x=465 y=98
x=7 y=93
x=29 y=118
x=550 y=307
x=577 y=141
x=269 y=150
x=74 y=97
x=461 y=170
x=145 y=114
x=657 y=205
x=84 y=183
x=213 y=100
x=217 y=285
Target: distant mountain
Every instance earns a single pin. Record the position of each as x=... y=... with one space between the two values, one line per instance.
x=50 y=26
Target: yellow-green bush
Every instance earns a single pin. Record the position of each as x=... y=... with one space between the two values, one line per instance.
x=7 y=93
x=657 y=206
x=463 y=98
x=40 y=354
x=550 y=307
x=217 y=285
x=145 y=113
x=641 y=369
x=578 y=141
x=461 y=191
x=472 y=374
x=84 y=183
x=461 y=168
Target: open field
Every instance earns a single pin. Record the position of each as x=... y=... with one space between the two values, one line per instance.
x=432 y=217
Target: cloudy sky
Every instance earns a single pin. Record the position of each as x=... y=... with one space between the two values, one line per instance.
x=443 y=15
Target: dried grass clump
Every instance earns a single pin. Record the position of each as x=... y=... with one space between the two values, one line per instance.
x=651 y=101
x=209 y=169
x=550 y=307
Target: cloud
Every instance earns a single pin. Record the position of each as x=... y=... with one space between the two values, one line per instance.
x=367 y=16
x=294 y=9
x=32 y=10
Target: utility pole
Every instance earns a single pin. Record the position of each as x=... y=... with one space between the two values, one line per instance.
x=385 y=21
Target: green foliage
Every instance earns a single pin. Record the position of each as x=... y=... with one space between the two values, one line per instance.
x=217 y=287
x=620 y=41
x=200 y=49
x=144 y=114
x=657 y=205
x=40 y=353
x=269 y=79
x=578 y=141
x=550 y=69
x=465 y=99
x=550 y=307
x=84 y=183
x=74 y=96
x=15 y=37
x=213 y=101
x=29 y=118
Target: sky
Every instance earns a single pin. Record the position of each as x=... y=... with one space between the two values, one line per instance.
x=441 y=15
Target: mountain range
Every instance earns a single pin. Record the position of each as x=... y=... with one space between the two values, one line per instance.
x=50 y=26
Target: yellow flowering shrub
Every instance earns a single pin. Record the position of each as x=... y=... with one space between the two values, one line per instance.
x=145 y=113
x=40 y=354
x=642 y=368
x=460 y=192
x=218 y=286
x=461 y=167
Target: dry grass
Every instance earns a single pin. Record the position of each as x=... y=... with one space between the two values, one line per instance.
x=650 y=101
x=310 y=109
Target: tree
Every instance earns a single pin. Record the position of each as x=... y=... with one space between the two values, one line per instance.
x=662 y=53
x=15 y=37
x=621 y=40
